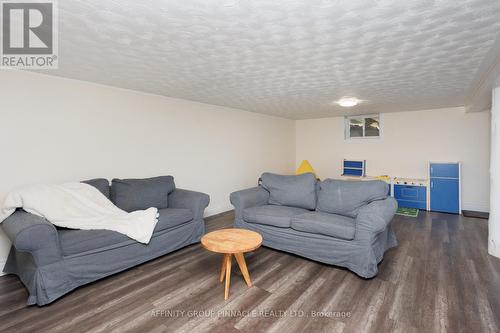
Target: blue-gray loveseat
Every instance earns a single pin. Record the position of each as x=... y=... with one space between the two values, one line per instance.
x=53 y=261
x=344 y=223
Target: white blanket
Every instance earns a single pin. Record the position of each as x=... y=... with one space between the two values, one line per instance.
x=80 y=206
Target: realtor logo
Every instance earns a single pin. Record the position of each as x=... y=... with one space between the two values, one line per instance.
x=29 y=34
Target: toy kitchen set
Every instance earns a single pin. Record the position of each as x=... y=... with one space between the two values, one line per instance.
x=441 y=192
x=411 y=193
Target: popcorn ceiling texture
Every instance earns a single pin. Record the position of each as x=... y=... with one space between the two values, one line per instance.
x=286 y=58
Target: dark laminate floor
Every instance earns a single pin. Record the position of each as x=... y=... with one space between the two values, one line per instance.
x=440 y=278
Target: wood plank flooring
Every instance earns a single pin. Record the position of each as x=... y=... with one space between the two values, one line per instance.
x=439 y=279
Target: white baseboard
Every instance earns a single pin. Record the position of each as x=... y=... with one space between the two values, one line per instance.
x=476 y=207
x=2 y=264
x=217 y=210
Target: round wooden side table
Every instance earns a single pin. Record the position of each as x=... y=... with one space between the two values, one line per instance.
x=232 y=242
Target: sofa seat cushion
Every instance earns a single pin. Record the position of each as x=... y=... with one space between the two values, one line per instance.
x=83 y=241
x=172 y=217
x=274 y=215
x=333 y=225
x=90 y=241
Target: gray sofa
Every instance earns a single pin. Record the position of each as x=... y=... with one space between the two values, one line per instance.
x=344 y=223
x=53 y=261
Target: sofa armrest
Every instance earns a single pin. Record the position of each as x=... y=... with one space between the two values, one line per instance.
x=33 y=234
x=194 y=201
x=375 y=217
x=255 y=196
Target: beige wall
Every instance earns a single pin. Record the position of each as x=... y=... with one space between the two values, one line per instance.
x=59 y=130
x=409 y=140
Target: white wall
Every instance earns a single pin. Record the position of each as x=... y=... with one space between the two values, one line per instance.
x=58 y=130
x=409 y=140
x=494 y=221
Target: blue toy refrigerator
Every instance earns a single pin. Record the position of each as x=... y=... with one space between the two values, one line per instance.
x=445 y=186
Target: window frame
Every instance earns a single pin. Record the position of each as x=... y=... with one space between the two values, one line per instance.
x=347 y=126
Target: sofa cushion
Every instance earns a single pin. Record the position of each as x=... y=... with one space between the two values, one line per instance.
x=345 y=197
x=295 y=191
x=81 y=241
x=333 y=225
x=140 y=194
x=277 y=216
x=172 y=217
x=101 y=184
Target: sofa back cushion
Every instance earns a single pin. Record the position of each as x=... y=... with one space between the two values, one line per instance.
x=101 y=184
x=346 y=197
x=140 y=194
x=296 y=191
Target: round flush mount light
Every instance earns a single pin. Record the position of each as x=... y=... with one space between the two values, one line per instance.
x=348 y=102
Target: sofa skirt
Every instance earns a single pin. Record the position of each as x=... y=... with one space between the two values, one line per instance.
x=361 y=256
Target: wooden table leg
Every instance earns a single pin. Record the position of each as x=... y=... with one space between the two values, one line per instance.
x=222 y=268
x=240 y=258
x=228 y=275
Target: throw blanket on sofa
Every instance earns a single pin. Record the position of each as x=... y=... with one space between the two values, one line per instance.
x=80 y=206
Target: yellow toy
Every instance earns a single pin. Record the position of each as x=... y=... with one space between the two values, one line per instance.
x=305 y=167
x=385 y=178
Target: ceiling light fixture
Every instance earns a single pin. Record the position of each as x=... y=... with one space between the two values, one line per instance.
x=348 y=102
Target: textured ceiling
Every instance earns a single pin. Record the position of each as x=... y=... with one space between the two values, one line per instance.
x=283 y=57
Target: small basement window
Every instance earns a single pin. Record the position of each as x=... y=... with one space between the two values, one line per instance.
x=362 y=126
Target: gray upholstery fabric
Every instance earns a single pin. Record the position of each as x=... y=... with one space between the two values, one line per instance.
x=374 y=217
x=333 y=225
x=252 y=197
x=49 y=282
x=101 y=184
x=33 y=234
x=172 y=217
x=52 y=262
x=359 y=256
x=92 y=241
x=82 y=241
x=345 y=197
x=295 y=191
x=278 y=216
x=196 y=202
x=140 y=194
x=373 y=235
